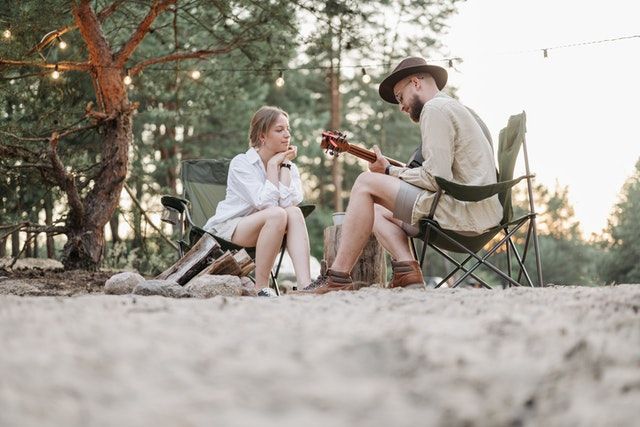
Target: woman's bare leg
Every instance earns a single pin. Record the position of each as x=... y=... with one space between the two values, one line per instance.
x=264 y=230
x=298 y=245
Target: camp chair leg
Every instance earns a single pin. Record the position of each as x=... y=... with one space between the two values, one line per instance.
x=508 y=252
x=427 y=234
x=280 y=259
x=413 y=249
x=274 y=282
x=460 y=266
x=483 y=260
x=523 y=269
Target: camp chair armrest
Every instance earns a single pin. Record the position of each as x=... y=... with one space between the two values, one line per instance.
x=306 y=209
x=176 y=203
x=475 y=193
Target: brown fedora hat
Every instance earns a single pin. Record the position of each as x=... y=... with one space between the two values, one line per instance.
x=407 y=67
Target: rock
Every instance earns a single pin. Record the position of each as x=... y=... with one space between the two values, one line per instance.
x=19 y=288
x=209 y=286
x=165 y=288
x=122 y=283
x=248 y=287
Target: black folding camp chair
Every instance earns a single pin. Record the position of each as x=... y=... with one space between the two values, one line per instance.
x=440 y=240
x=204 y=184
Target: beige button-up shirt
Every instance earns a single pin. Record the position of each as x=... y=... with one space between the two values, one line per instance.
x=454 y=147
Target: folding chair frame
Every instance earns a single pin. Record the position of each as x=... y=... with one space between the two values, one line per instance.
x=509 y=227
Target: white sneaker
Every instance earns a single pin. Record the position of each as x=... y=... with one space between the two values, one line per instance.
x=267 y=292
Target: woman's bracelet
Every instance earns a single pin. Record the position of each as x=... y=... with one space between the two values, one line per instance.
x=286 y=165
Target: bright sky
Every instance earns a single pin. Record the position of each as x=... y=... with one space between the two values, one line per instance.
x=581 y=102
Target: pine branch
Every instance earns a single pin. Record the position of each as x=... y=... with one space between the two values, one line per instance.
x=136 y=38
x=51 y=36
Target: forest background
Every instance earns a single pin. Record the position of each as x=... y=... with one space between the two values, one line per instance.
x=143 y=85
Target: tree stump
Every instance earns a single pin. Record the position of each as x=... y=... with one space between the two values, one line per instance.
x=370 y=267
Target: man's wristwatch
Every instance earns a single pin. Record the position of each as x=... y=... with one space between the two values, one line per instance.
x=386 y=170
x=286 y=165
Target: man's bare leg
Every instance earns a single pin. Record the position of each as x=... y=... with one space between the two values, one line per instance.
x=369 y=189
x=390 y=234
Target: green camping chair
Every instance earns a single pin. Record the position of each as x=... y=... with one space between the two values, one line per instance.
x=440 y=240
x=204 y=184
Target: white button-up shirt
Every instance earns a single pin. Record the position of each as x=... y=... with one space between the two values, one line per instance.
x=249 y=190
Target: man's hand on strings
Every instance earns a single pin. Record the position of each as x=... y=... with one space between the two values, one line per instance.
x=380 y=164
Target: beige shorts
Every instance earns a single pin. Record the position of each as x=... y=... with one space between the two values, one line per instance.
x=226 y=229
x=405 y=201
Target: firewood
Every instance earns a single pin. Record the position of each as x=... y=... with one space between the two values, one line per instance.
x=193 y=261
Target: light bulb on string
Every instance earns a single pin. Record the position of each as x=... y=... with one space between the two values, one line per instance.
x=451 y=63
x=545 y=53
x=195 y=74
x=127 y=79
x=280 y=79
x=55 y=75
x=61 y=43
x=6 y=34
x=366 y=78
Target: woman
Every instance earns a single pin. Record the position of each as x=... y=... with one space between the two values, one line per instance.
x=263 y=189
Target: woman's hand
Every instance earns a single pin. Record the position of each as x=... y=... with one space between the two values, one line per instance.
x=278 y=158
x=291 y=153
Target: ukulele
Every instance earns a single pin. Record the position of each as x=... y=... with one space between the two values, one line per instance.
x=335 y=142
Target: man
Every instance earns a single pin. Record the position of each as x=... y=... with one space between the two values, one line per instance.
x=390 y=200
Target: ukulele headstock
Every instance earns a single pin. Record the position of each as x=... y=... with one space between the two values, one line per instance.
x=334 y=142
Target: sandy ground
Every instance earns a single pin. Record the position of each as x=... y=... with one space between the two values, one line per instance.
x=520 y=357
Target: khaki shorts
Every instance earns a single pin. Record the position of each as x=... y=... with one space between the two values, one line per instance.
x=405 y=201
x=226 y=229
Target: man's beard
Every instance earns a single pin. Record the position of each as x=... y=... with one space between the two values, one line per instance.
x=415 y=109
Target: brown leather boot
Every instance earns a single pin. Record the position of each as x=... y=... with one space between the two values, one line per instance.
x=331 y=282
x=406 y=273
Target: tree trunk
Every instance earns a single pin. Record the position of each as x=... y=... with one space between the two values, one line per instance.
x=3 y=247
x=85 y=236
x=87 y=218
x=15 y=243
x=48 y=219
x=336 y=169
x=114 y=224
x=370 y=267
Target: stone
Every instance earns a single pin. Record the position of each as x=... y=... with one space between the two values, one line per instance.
x=209 y=286
x=248 y=287
x=122 y=283
x=165 y=288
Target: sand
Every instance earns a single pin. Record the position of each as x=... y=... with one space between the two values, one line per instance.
x=464 y=357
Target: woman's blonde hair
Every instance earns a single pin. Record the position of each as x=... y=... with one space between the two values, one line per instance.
x=262 y=121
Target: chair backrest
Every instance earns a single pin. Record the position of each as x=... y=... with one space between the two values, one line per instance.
x=204 y=184
x=511 y=139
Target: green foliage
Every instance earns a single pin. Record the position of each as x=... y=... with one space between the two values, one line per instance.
x=621 y=262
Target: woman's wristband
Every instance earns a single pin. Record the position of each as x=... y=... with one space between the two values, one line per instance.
x=286 y=165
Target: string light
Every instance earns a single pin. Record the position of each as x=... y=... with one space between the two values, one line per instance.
x=6 y=33
x=366 y=78
x=195 y=74
x=127 y=79
x=61 y=43
x=451 y=63
x=545 y=53
x=280 y=79
x=55 y=75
